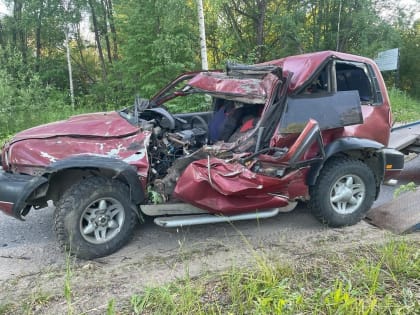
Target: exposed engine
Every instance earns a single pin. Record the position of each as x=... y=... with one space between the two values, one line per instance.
x=172 y=138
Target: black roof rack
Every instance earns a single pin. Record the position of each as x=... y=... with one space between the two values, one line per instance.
x=238 y=69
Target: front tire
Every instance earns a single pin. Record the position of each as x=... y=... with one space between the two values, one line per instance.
x=95 y=217
x=343 y=193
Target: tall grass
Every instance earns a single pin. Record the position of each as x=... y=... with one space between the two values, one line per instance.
x=404 y=107
x=367 y=280
x=382 y=280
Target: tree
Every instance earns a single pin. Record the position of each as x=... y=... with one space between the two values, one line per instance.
x=409 y=64
x=202 y=29
x=156 y=44
x=67 y=8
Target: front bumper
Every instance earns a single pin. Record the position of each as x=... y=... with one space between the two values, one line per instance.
x=15 y=190
x=394 y=163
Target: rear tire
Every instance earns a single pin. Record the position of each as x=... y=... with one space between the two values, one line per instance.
x=343 y=193
x=95 y=217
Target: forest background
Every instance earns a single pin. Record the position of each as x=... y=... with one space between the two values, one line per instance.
x=119 y=49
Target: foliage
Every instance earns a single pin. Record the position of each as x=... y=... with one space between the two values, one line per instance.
x=136 y=46
x=411 y=186
x=404 y=107
x=22 y=98
x=410 y=67
x=156 y=43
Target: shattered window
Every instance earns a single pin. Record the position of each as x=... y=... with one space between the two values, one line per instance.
x=319 y=84
x=191 y=103
x=352 y=77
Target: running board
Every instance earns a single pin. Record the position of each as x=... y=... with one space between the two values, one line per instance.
x=184 y=220
x=171 y=209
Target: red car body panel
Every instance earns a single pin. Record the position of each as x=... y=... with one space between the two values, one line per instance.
x=102 y=125
x=377 y=119
x=304 y=66
x=219 y=186
x=101 y=134
x=230 y=188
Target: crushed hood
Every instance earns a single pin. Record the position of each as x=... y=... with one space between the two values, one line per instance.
x=103 y=125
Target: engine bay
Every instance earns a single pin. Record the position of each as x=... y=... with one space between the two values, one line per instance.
x=172 y=136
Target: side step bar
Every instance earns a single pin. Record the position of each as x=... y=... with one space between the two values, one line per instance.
x=185 y=220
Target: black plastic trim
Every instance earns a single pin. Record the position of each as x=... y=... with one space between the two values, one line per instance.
x=16 y=189
x=122 y=170
x=342 y=145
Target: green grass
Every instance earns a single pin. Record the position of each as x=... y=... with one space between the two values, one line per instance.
x=364 y=280
x=381 y=280
x=404 y=107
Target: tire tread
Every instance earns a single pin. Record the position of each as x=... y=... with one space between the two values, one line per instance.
x=71 y=199
x=317 y=194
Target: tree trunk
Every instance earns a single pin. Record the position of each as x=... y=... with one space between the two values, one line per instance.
x=105 y=30
x=262 y=9
x=98 y=39
x=38 y=37
x=110 y=13
x=202 y=28
x=82 y=63
x=1 y=35
x=66 y=31
x=19 y=37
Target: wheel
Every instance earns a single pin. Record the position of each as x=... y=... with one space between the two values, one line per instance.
x=343 y=193
x=95 y=218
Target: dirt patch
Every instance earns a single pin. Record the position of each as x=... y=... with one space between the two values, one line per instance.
x=157 y=255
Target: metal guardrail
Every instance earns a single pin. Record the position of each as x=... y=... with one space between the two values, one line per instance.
x=415 y=123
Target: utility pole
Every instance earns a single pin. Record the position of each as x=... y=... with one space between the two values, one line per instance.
x=202 y=28
x=66 y=6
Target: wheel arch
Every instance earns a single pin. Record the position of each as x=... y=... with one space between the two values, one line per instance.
x=62 y=174
x=368 y=151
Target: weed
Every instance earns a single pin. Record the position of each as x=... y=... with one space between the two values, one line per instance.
x=6 y=308
x=67 y=285
x=411 y=186
x=404 y=107
x=382 y=281
x=36 y=300
x=110 y=310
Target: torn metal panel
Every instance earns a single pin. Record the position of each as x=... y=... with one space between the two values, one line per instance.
x=243 y=89
x=220 y=186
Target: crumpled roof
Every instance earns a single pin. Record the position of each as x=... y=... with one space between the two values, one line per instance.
x=254 y=90
x=244 y=89
x=304 y=66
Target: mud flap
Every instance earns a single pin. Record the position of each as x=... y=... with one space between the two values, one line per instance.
x=401 y=215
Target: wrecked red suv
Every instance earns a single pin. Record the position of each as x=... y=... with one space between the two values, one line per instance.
x=311 y=128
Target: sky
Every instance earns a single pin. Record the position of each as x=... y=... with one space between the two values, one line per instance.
x=3 y=8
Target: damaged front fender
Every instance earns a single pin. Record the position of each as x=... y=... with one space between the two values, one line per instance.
x=15 y=189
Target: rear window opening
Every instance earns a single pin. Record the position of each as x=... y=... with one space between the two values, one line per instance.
x=351 y=77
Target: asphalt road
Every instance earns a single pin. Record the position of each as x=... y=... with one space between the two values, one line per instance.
x=38 y=228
